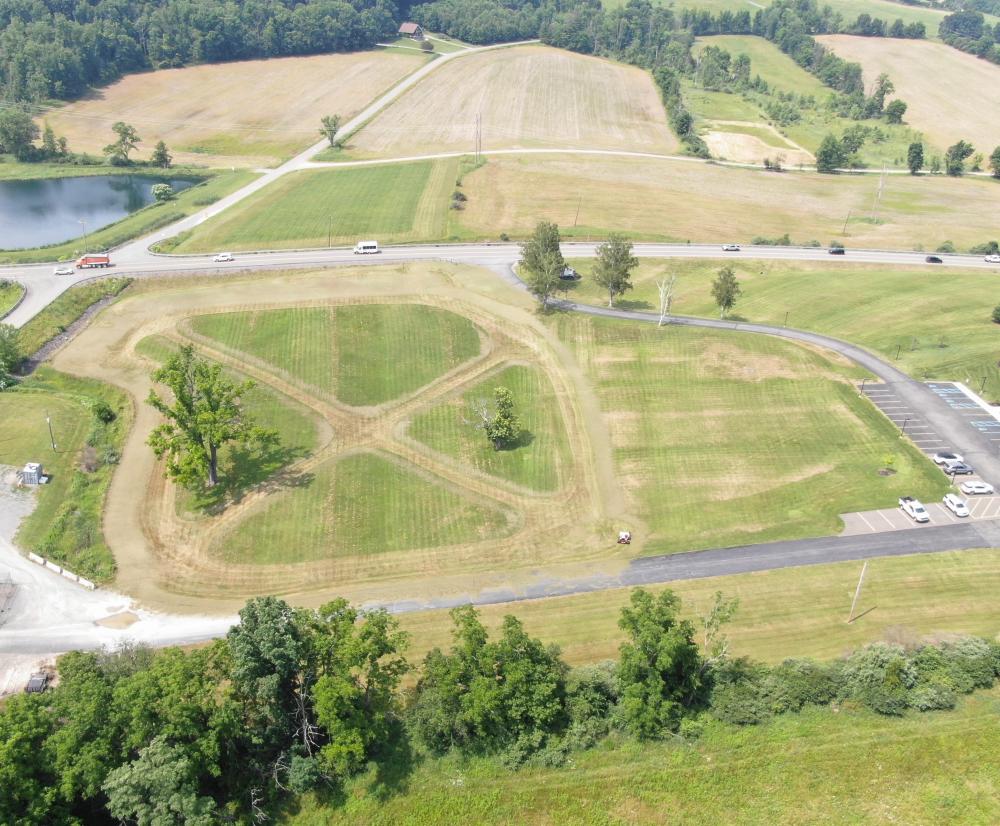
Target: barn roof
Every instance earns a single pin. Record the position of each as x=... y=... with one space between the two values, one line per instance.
x=409 y=28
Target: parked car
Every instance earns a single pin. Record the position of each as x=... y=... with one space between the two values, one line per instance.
x=933 y=259
x=569 y=274
x=837 y=251
x=957 y=469
x=976 y=488
x=223 y=257
x=992 y=259
x=914 y=509
x=942 y=458
x=955 y=504
x=63 y=270
x=730 y=247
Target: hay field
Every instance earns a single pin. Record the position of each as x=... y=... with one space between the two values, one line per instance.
x=675 y=200
x=528 y=97
x=768 y=61
x=249 y=113
x=951 y=95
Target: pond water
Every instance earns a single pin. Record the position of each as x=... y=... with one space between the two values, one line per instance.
x=40 y=212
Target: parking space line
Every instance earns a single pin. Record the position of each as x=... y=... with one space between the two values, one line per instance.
x=887 y=520
x=871 y=527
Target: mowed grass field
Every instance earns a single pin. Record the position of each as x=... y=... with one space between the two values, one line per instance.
x=950 y=95
x=363 y=354
x=247 y=113
x=527 y=97
x=359 y=504
x=767 y=60
x=942 y=327
x=724 y=439
x=540 y=456
x=678 y=201
x=394 y=203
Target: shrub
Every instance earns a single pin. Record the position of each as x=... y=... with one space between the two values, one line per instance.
x=103 y=412
x=996 y=314
x=880 y=676
x=947 y=246
x=591 y=692
x=797 y=683
x=988 y=248
x=738 y=694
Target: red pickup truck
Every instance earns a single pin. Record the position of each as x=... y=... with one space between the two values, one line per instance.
x=86 y=261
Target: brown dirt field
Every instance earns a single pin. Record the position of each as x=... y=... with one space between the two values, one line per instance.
x=734 y=146
x=167 y=561
x=951 y=95
x=249 y=113
x=529 y=97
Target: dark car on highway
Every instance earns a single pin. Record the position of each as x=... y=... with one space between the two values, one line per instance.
x=932 y=259
x=836 y=251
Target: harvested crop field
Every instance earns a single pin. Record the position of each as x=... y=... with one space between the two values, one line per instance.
x=528 y=97
x=249 y=113
x=951 y=95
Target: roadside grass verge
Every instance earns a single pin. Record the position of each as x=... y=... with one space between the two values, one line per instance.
x=67 y=308
x=392 y=203
x=10 y=294
x=139 y=223
x=362 y=354
x=358 y=504
x=723 y=439
x=941 y=331
x=537 y=460
x=241 y=470
x=66 y=524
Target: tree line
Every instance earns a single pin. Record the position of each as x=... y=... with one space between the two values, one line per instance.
x=968 y=31
x=50 y=49
x=302 y=700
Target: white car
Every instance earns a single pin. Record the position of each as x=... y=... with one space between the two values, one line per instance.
x=730 y=247
x=955 y=504
x=914 y=509
x=974 y=488
x=944 y=458
x=63 y=271
x=992 y=259
x=222 y=257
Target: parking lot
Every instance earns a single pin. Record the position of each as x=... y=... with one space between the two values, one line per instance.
x=884 y=397
x=893 y=519
x=977 y=417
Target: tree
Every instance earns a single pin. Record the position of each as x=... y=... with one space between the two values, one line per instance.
x=10 y=353
x=615 y=263
x=159 y=788
x=996 y=314
x=330 y=127
x=161 y=157
x=954 y=158
x=30 y=793
x=894 y=111
x=995 y=162
x=206 y=414
x=542 y=261
x=127 y=140
x=830 y=156
x=163 y=192
x=725 y=290
x=501 y=425
x=915 y=157
x=17 y=132
x=935 y=164
x=659 y=668
x=49 y=141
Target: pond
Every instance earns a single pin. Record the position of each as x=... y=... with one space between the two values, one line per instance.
x=37 y=213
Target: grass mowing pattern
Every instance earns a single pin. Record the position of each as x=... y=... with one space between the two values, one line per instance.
x=314 y=208
x=828 y=766
x=360 y=504
x=66 y=524
x=534 y=462
x=10 y=294
x=761 y=438
x=240 y=470
x=363 y=354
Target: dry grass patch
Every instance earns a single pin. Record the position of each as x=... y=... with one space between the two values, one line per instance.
x=951 y=95
x=248 y=113
x=530 y=97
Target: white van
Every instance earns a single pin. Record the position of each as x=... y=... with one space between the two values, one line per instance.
x=366 y=248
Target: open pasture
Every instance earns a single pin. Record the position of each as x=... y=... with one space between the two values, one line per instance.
x=767 y=60
x=950 y=95
x=527 y=97
x=247 y=113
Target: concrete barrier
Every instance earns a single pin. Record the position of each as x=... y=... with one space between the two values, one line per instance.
x=57 y=569
x=86 y=583
x=53 y=567
x=36 y=559
x=70 y=575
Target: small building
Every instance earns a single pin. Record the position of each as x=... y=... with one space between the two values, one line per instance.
x=37 y=683
x=32 y=474
x=414 y=31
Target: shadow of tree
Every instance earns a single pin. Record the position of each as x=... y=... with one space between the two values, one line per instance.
x=395 y=765
x=253 y=468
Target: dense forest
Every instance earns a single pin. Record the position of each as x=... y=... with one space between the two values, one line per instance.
x=297 y=701
x=56 y=49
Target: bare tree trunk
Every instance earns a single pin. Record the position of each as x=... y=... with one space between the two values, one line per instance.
x=213 y=465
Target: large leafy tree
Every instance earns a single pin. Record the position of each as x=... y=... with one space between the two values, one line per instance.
x=726 y=290
x=660 y=666
x=541 y=261
x=206 y=413
x=915 y=157
x=161 y=156
x=126 y=140
x=329 y=127
x=17 y=132
x=995 y=163
x=27 y=780
x=954 y=157
x=830 y=156
x=615 y=263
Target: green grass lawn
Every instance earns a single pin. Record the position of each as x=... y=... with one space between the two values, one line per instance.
x=821 y=766
x=361 y=354
x=138 y=223
x=940 y=324
x=363 y=503
x=542 y=451
x=66 y=309
x=66 y=524
x=722 y=439
x=240 y=470
x=707 y=105
x=392 y=203
x=10 y=294
x=768 y=61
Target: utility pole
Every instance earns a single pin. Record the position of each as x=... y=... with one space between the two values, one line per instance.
x=848 y=218
x=878 y=195
x=83 y=223
x=52 y=439
x=578 y=205
x=857 y=592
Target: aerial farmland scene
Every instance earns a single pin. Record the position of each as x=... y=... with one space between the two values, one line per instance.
x=499 y=412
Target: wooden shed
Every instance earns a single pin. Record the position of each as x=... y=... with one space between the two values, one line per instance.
x=412 y=30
